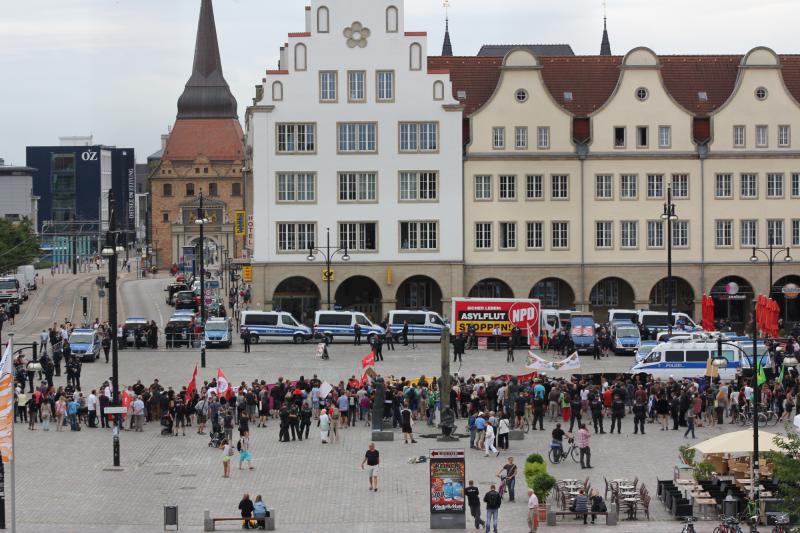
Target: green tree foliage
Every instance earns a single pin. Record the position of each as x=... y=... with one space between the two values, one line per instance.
x=787 y=471
x=19 y=244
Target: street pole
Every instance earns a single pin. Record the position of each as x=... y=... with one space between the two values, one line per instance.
x=669 y=215
x=328 y=265
x=111 y=243
x=201 y=221
x=756 y=402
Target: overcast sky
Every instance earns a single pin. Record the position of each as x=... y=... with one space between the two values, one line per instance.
x=115 y=68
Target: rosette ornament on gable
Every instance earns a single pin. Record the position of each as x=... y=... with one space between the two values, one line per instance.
x=356 y=35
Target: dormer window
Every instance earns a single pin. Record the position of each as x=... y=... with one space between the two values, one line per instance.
x=702 y=96
x=567 y=96
x=461 y=95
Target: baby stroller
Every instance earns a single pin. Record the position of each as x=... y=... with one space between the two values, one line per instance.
x=166 y=425
x=217 y=437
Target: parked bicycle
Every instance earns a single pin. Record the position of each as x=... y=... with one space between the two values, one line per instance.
x=782 y=523
x=558 y=453
x=688 y=524
x=728 y=524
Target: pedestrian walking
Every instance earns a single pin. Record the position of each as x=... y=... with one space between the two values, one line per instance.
x=690 y=419
x=227 y=453
x=533 y=512
x=407 y=418
x=389 y=337
x=493 y=501
x=489 y=442
x=582 y=439
x=372 y=458
x=243 y=446
x=324 y=426
x=474 y=501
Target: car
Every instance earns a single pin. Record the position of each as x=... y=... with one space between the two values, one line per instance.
x=179 y=331
x=218 y=332
x=172 y=289
x=85 y=344
x=132 y=327
x=185 y=300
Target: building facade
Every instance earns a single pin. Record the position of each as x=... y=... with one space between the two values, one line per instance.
x=570 y=161
x=17 y=201
x=356 y=142
x=203 y=155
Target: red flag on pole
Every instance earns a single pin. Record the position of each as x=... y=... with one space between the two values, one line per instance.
x=368 y=360
x=192 y=385
x=364 y=379
x=223 y=387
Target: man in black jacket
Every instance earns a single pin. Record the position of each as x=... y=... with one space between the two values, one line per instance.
x=474 y=502
x=492 y=500
x=459 y=343
x=617 y=413
x=246 y=507
x=639 y=415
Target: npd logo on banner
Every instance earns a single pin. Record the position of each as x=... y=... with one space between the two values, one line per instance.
x=524 y=315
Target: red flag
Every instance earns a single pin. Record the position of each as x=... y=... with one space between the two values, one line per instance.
x=223 y=387
x=364 y=379
x=368 y=360
x=192 y=385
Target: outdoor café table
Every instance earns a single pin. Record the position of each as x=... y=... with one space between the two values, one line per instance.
x=631 y=503
x=704 y=504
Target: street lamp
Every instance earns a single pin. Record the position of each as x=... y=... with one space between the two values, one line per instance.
x=771 y=253
x=201 y=221
x=669 y=215
x=111 y=251
x=328 y=255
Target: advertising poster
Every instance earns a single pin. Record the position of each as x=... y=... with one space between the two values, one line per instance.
x=447 y=481
x=487 y=314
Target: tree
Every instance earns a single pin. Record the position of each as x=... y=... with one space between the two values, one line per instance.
x=19 y=244
x=787 y=471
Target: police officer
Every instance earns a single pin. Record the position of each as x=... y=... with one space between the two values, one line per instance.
x=305 y=420
x=357 y=334
x=283 y=434
x=639 y=414
x=596 y=406
x=246 y=339
x=294 y=422
x=617 y=412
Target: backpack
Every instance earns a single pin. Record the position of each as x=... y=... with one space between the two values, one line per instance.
x=336 y=413
x=239 y=445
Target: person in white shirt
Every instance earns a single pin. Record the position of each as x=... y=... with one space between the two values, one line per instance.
x=533 y=511
x=324 y=426
x=488 y=441
x=91 y=405
x=138 y=413
x=44 y=338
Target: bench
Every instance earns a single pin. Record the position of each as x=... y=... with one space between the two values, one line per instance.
x=552 y=514
x=210 y=522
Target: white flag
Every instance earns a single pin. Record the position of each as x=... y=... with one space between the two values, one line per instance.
x=6 y=403
x=572 y=362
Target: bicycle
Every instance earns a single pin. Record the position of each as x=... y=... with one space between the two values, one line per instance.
x=688 y=524
x=558 y=453
x=782 y=523
x=526 y=425
x=729 y=524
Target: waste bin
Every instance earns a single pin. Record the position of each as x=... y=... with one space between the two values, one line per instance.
x=171 y=516
x=730 y=505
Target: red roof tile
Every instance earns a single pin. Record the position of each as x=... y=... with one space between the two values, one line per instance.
x=590 y=80
x=791 y=74
x=217 y=139
x=687 y=76
x=416 y=33
x=475 y=76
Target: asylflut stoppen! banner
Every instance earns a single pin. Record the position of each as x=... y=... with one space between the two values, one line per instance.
x=486 y=314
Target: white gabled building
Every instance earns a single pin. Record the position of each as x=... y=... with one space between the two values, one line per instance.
x=355 y=133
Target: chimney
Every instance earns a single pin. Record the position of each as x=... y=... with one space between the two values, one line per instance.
x=164 y=139
x=308 y=18
x=283 y=63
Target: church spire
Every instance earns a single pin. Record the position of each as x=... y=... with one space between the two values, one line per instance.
x=605 y=45
x=207 y=94
x=447 y=47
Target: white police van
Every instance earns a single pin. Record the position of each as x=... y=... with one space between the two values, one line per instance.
x=422 y=325
x=625 y=336
x=688 y=359
x=218 y=332
x=263 y=325
x=85 y=344
x=342 y=324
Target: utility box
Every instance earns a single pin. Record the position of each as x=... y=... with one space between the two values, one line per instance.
x=171 y=517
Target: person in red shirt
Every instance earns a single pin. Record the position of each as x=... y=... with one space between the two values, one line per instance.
x=608 y=398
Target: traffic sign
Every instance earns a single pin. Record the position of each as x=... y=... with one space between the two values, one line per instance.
x=247 y=274
x=115 y=410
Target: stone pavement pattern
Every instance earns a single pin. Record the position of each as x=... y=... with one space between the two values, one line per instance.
x=64 y=481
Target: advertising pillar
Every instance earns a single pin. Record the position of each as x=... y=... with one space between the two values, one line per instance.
x=447 y=474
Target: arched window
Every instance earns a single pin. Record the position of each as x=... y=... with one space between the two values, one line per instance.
x=391 y=19
x=277 y=91
x=300 y=56
x=323 y=19
x=438 y=90
x=416 y=56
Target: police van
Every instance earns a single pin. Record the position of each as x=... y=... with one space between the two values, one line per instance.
x=342 y=324
x=625 y=336
x=218 y=332
x=422 y=325
x=85 y=344
x=688 y=359
x=279 y=325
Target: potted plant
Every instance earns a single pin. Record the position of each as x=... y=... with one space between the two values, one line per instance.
x=535 y=458
x=542 y=484
x=686 y=454
x=703 y=471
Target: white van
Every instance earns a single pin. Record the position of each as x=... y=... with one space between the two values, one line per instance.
x=277 y=325
x=658 y=321
x=29 y=273
x=690 y=359
x=342 y=324
x=422 y=325
x=631 y=315
x=625 y=336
